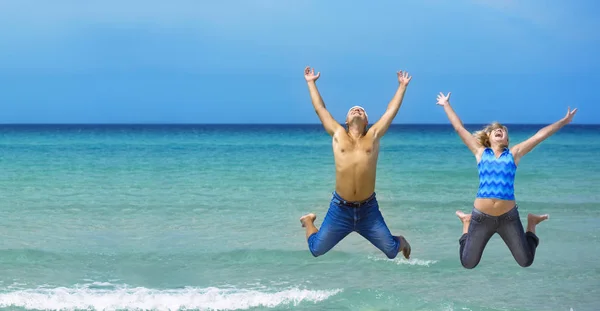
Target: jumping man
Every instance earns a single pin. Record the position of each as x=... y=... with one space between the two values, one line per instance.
x=353 y=206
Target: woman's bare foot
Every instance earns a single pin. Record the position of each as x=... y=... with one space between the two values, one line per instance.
x=308 y=217
x=465 y=219
x=404 y=247
x=533 y=220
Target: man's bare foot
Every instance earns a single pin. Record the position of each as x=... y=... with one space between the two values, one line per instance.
x=463 y=217
x=308 y=217
x=536 y=219
x=404 y=247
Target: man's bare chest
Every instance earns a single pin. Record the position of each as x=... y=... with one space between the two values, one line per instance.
x=349 y=147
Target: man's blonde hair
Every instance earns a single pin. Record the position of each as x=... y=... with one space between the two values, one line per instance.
x=482 y=135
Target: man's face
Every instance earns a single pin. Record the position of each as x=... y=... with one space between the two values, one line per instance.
x=356 y=113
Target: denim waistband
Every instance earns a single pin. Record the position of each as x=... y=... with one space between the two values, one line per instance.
x=342 y=201
x=499 y=217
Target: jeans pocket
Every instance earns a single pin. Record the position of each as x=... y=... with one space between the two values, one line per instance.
x=512 y=215
x=477 y=217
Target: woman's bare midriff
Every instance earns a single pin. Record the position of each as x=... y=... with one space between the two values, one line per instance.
x=494 y=207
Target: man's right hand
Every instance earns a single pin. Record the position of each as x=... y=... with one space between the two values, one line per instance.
x=309 y=74
x=443 y=100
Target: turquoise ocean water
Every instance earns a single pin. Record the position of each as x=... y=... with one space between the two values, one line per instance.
x=206 y=217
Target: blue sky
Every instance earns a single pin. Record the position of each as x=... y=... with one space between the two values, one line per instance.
x=242 y=61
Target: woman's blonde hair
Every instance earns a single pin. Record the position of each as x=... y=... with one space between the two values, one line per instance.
x=482 y=135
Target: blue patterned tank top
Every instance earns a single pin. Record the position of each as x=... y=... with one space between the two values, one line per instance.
x=497 y=176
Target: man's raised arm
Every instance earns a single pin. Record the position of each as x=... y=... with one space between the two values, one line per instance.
x=330 y=124
x=381 y=126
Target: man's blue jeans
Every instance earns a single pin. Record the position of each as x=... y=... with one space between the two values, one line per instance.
x=344 y=217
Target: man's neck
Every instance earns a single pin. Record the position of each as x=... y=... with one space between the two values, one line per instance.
x=355 y=131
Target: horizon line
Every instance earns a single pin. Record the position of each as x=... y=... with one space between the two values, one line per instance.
x=187 y=124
